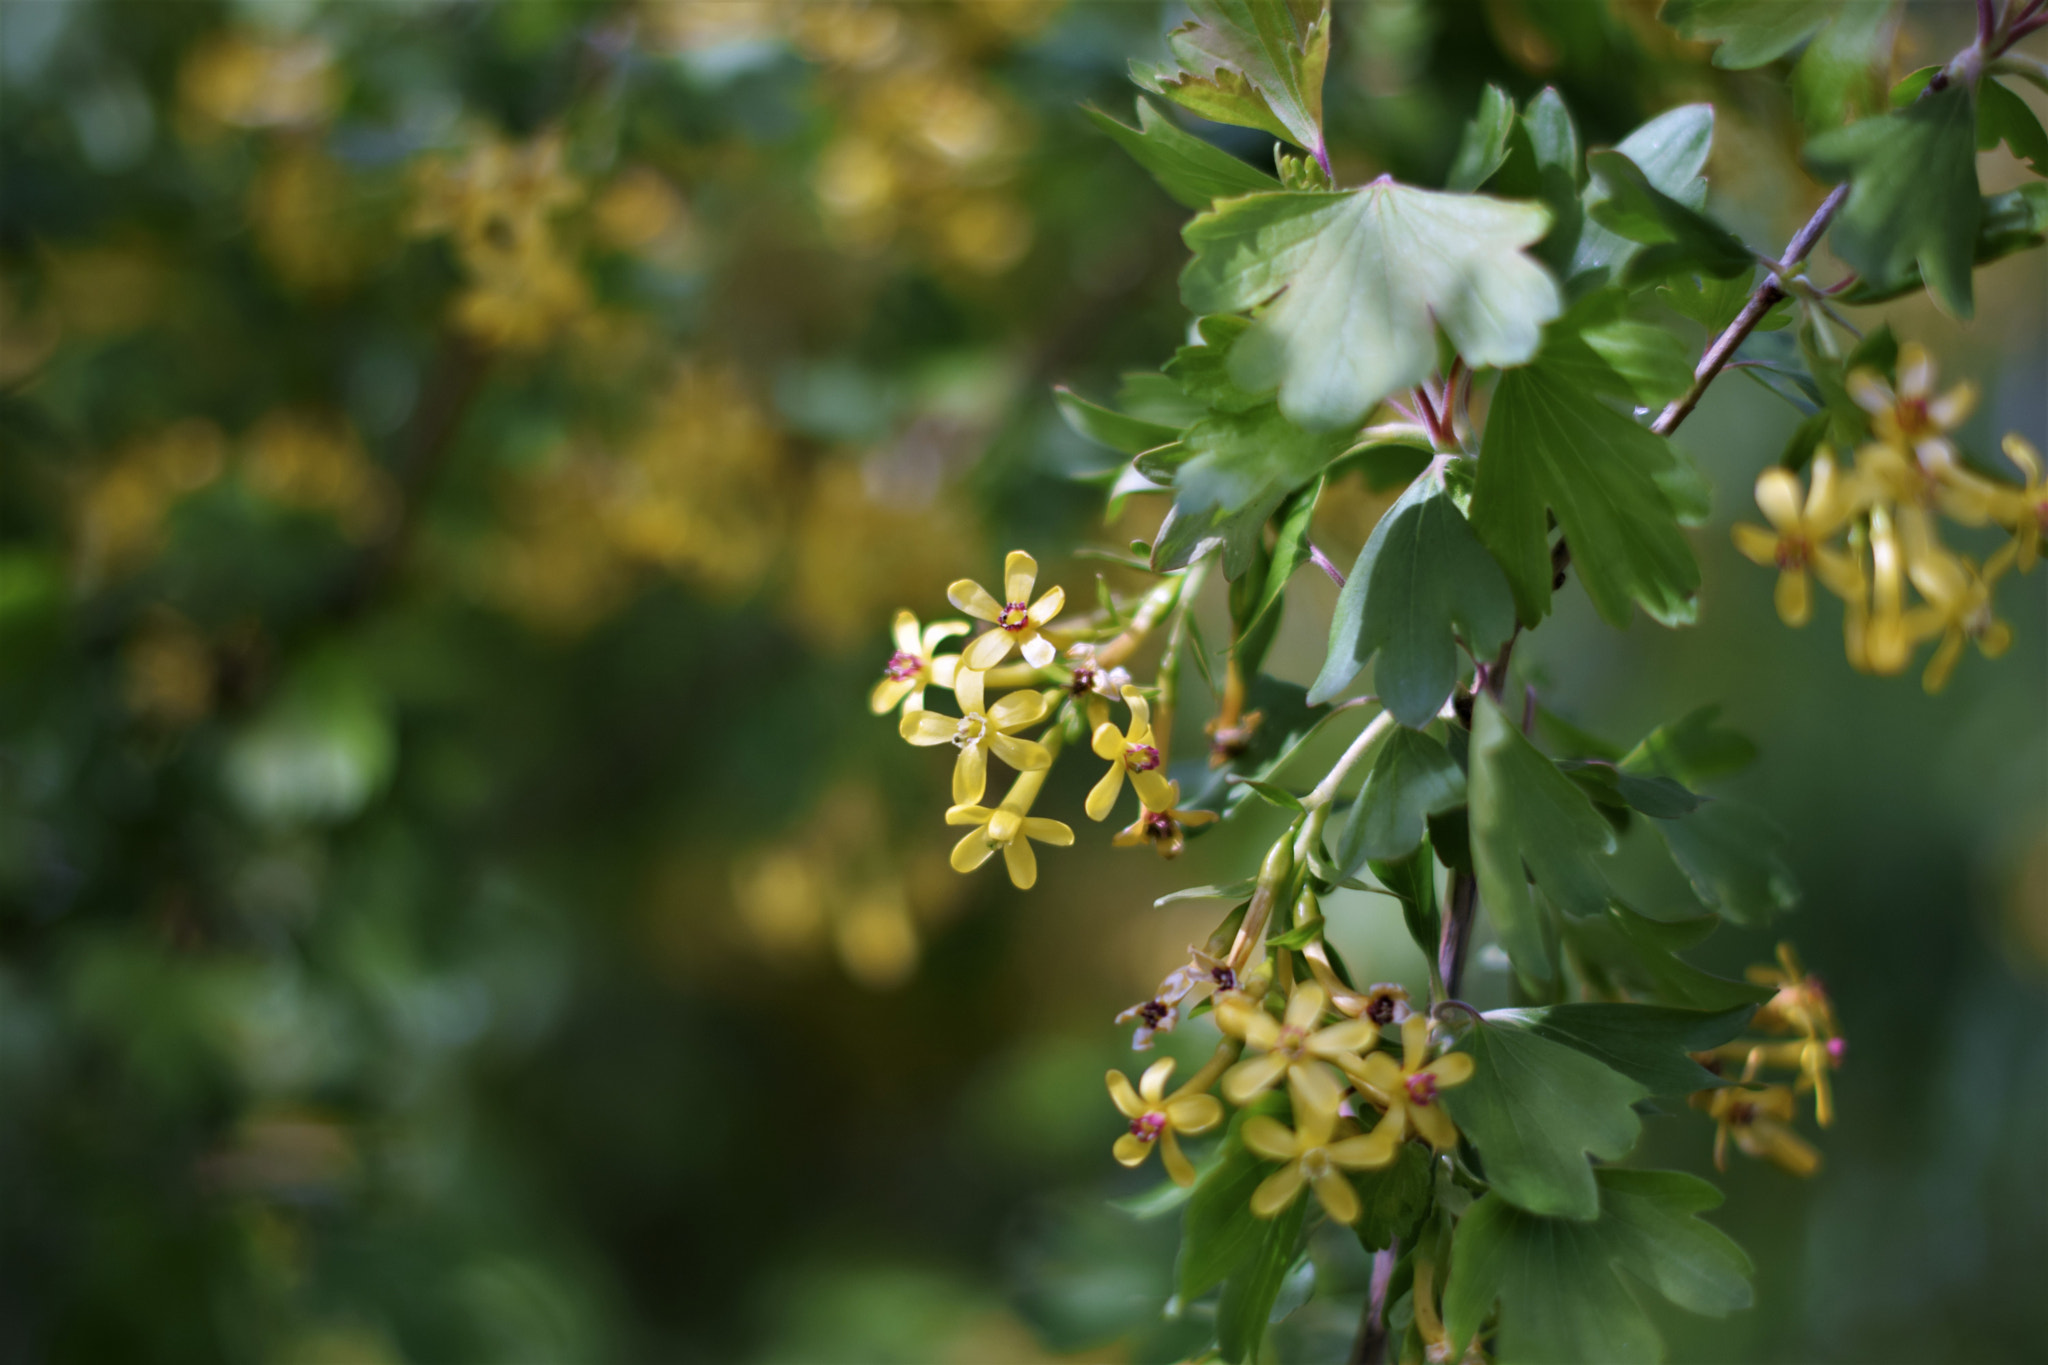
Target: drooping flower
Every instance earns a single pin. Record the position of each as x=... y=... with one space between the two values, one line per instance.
x=1958 y=608
x=1314 y=1155
x=1292 y=1047
x=1093 y=683
x=1797 y=540
x=979 y=731
x=914 y=666
x=1408 y=1091
x=1135 y=752
x=1913 y=419
x=2023 y=510
x=1759 y=1118
x=1157 y=1117
x=1182 y=989
x=1016 y=618
x=1875 y=633
x=1163 y=828
x=1009 y=827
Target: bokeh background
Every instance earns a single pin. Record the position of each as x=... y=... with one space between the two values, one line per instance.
x=457 y=464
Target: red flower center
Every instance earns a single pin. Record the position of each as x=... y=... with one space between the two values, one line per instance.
x=1147 y=1127
x=1159 y=825
x=1140 y=758
x=1015 y=617
x=1794 y=552
x=1422 y=1088
x=1912 y=416
x=903 y=664
x=1083 y=681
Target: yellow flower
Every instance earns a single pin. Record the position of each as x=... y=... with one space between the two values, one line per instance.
x=1156 y=1117
x=1795 y=541
x=1007 y=828
x=1912 y=420
x=1958 y=608
x=1875 y=632
x=977 y=732
x=1315 y=1156
x=1294 y=1048
x=1135 y=752
x=2023 y=510
x=1016 y=618
x=1759 y=1119
x=1408 y=1091
x=1162 y=828
x=1801 y=1004
x=913 y=665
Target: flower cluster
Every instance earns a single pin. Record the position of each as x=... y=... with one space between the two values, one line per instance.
x=1074 y=690
x=1868 y=531
x=1758 y=1116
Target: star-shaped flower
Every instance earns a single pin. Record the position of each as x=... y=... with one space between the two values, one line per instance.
x=978 y=731
x=1314 y=1155
x=1914 y=420
x=1156 y=1117
x=1797 y=539
x=1016 y=618
x=1408 y=1091
x=913 y=666
x=1759 y=1118
x=1292 y=1047
x=1163 y=828
x=1134 y=752
x=1008 y=829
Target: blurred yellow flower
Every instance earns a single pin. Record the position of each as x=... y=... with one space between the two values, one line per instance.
x=1875 y=633
x=1408 y=1091
x=914 y=664
x=1293 y=1047
x=980 y=730
x=2023 y=510
x=1759 y=1119
x=318 y=464
x=306 y=218
x=1913 y=420
x=1157 y=1118
x=1017 y=619
x=1796 y=540
x=1314 y=1155
x=121 y=513
x=169 y=673
x=247 y=81
x=1134 y=752
x=1958 y=608
x=1164 y=828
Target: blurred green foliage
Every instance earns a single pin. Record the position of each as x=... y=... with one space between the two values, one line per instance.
x=456 y=465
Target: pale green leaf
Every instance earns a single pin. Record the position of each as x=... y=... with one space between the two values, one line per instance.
x=2012 y=222
x=1535 y=1109
x=1422 y=582
x=1668 y=235
x=1254 y=63
x=1485 y=143
x=1108 y=427
x=1194 y=172
x=2003 y=116
x=1841 y=74
x=1670 y=151
x=1246 y=1305
x=1750 y=32
x=1364 y=280
x=1412 y=778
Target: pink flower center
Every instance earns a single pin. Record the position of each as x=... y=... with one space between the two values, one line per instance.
x=1912 y=416
x=1159 y=825
x=1838 y=1048
x=1084 y=681
x=1421 y=1088
x=1794 y=552
x=1015 y=617
x=904 y=665
x=1140 y=758
x=1147 y=1127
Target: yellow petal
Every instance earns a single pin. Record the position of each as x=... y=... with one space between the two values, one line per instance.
x=1022 y=862
x=1018 y=709
x=904 y=629
x=1252 y=1077
x=1102 y=796
x=1794 y=596
x=888 y=692
x=967 y=689
x=1870 y=391
x=1337 y=1197
x=970 y=775
x=927 y=727
x=974 y=599
x=1366 y=1153
x=1953 y=408
x=1152 y=789
x=1916 y=370
x=1306 y=1006
x=1124 y=1097
x=1315 y=1095
x=1046 y=831
x=969 y=815
x=1178 y=1168
x=1996 y=639
x=1238 y=1017
x=941 y=630
x=1943 y=663
x=1353 y=1035
x=1141 y=710
x=1435 y=1125
x=1108 y=742
x=1267 y=1137
x=1414 y=1041
x=988 y=649
x=1756 y=544
x=1380 y=1076
x=971 y=852
x=1046 y=607
x=1194 y=1113
x=1192 y=819
x=1277 y=1190
x=1132 y=1150
x=1036 y=649
x=1026 y=756
x=2022 y=453
x=1020 y=571
x=1777 y=497
x=1838 y=572
x=1152 y=1085
x=1453 y=1068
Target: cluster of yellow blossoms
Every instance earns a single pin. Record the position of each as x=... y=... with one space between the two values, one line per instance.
x=1884 y=510
x=1758 y=1117
x=1084 y=686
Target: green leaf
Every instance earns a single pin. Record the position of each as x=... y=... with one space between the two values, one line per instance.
x=1246 y=1305
x=1485 y=143
x=1219 y=1233
x=1364 y=280
x=1654 y=363
x=1524 y=811
x=1649 y=1044
x=1669 y=235
x=2003 y=116
x=1422 y=582
x=1285 y=721
x=1413 y=881
x=1913 y=198
x=1301 y=935
x=1412 y=778
x=1571 y=1292
x=1158 y=399
x=1233 y=461
x=1543 y=163
x=1670 y=151
x=1711 y=303
x=1392 y=1199
x=1750 y=32
x=1550 y=443
x=1254 y=63
x=1734 y=856
x=2014 y=221
x=1695 y=749
x=1203 y=370
x=1611 y=786
x=1290 y=551
x=1190 y=535
x=1107 y=427
x=1840 y=76
x=1194 y=172
x=1271 y=793
x=1231 y=892
x=1535 y=1109
x=1624 y=951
